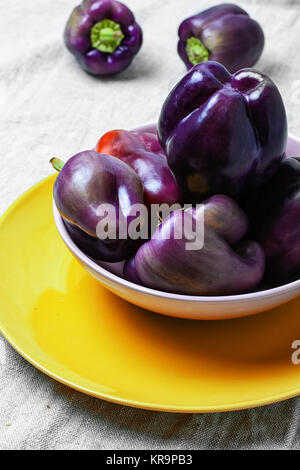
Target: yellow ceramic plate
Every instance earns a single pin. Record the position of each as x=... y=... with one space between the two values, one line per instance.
x=71 y=328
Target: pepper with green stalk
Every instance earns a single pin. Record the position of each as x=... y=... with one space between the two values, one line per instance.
x=224 y=33
x=103 y=36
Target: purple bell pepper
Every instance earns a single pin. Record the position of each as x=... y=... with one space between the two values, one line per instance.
x=103 y=36
x=149 y=137
x=224 y=33
x=225 y=264
x=142 y=152
x=222 y=133
x=85 y=182
x=274 y=212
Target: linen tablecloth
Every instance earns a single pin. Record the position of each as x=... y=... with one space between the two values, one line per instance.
x=49 y=106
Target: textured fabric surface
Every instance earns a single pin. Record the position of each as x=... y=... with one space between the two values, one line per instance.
x=49 y=106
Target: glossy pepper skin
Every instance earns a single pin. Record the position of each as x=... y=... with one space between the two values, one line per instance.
x=85 y=182
x=103 y=36
x=275 y=216
x=224 y=265
x=130 y=272
x=222 y=133
x=224 y=33
x=148 y=135
x=142 y=152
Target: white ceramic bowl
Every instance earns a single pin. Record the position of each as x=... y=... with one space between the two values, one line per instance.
x=184 y=306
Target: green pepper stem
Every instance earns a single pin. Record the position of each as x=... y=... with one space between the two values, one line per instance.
x=196 y=51
x=106 y=36
x=57 y=163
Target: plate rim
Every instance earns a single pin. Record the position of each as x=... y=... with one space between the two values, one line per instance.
x=237 y=406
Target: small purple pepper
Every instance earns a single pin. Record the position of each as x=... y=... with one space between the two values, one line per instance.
x=224 y=33
x=226 y=263
x=274 y=212
x=103 y=36
x=87 y=181
x=142 y=152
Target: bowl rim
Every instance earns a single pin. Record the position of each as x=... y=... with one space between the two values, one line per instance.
x=275 y=291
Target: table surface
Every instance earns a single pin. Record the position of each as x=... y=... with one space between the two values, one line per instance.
x=50 y=107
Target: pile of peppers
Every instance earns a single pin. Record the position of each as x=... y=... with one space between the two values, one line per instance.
x=220 y=146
